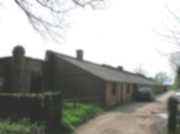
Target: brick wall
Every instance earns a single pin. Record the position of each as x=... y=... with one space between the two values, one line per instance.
x=123 y=93
x=111 y=96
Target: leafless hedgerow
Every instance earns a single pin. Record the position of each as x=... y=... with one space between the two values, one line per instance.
x=140 y=70
x=47 y=16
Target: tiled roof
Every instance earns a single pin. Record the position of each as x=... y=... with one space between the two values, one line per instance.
x=105 y=73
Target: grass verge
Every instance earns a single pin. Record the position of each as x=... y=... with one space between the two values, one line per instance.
x=73 y=115
x=76 y=113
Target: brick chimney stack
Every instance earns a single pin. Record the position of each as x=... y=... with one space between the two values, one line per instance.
x=120 y=68
x=79 y=54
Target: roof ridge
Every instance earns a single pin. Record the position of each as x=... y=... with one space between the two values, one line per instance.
x=86 y=61
x=111 y=72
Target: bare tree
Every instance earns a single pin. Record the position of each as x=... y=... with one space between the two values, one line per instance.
x=177 y=79
x=172 y=24
x=47 y=16
x=174 y=60
x=172 y=32
x=162 y=78
x=139 y=70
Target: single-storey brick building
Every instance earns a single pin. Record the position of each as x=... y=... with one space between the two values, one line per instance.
x=76 y=78
x=93 y=82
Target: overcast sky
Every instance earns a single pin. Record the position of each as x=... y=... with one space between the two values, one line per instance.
x=125 y=33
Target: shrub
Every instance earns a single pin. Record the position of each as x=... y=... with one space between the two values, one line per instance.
x=17 y=127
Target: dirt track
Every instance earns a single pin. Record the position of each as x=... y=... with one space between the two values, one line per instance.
x=135 y=118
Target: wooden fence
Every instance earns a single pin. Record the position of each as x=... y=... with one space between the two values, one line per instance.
x=43 y=107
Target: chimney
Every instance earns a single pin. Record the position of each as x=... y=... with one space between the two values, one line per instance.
x=120 y=68
x=79 y=54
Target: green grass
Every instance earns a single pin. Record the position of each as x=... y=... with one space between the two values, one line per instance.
x=163 y=133
x=73 y=116
x=16 y=127
x=76 y=113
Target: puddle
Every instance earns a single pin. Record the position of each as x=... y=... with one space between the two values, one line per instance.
x=162 y=115
x=160 y=122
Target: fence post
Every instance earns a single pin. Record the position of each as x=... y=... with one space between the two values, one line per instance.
x=172 y=113
x=53 y=110
x=49 y=71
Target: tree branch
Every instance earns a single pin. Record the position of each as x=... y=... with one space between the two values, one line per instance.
x=47 y=16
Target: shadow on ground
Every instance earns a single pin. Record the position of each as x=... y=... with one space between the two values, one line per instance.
x=131 y=107
x=134 y=106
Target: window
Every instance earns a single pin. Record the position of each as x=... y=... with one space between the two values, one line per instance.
x=114 y=88
x=36 y=83
x=128 y=88
x=1 y=82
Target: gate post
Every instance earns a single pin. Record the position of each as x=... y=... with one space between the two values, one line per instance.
x=172 y=114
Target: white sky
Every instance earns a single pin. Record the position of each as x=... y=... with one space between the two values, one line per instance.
x=123 y=34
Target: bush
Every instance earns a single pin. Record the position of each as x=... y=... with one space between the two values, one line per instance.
x=76 y=113
x=164 y=132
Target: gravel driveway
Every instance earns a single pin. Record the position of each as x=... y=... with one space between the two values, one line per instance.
x=134 y=118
